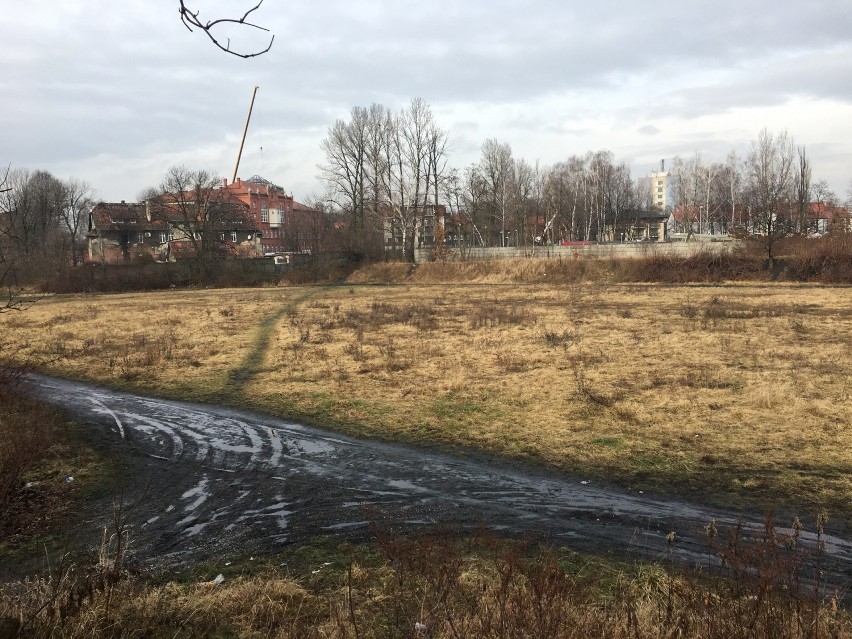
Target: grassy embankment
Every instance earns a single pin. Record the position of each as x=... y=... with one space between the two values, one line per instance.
x=735 y=392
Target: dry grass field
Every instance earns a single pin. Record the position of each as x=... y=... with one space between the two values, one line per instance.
x=740 y=393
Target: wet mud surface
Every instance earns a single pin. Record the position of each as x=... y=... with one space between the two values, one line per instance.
x=219 y=480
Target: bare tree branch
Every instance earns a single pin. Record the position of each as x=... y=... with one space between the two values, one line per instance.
x=190 y=19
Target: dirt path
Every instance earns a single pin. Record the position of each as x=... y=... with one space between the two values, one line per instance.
x=252 y=362
x=224 y=480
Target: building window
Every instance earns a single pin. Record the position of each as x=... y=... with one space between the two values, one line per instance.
x=264 y=214
x=659 y=182
x=164 y=237
x=233 y=236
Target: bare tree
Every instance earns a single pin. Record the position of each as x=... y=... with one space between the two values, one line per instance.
x=414 y=182
x=437 y=142
x=474 y=209
x=801 y=223
x=345 y=150
x=32 y=212
x=199 y=213
x=688 y=190
x=732 y=176
x=386 y=171
x=770 y=175
x=824 y=204
x=8 y=273
x=191 y=20
x=380 y=124
x=521 y=199
x=567 y=201
x=497 y=167
x=77 y=203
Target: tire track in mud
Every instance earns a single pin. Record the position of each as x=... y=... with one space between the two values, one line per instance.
x=224 y=480
x=252 y=362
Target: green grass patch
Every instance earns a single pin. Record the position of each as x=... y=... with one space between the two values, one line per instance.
x=607 y=442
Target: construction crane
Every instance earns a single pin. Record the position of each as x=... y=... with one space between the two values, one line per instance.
x=245 y=131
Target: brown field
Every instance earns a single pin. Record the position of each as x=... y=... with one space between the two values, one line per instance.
x=739 y=393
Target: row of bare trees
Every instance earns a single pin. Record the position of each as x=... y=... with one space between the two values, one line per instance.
x=388 y=172
x=506 y=201
x=385 y=169
x=43 y=221
x=770 y=192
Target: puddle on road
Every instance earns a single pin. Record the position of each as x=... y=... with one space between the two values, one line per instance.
x=346 y=525
x=199 y=491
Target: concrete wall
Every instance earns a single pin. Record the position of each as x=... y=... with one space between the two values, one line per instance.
x=592 y=250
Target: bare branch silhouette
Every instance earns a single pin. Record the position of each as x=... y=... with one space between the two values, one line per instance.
x=191 y=20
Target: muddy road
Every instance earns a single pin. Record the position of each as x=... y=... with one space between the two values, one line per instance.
x=220 y=481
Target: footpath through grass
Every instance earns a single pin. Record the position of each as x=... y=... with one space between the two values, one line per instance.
x=737 y=393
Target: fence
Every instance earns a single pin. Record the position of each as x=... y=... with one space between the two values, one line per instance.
x=681 y=249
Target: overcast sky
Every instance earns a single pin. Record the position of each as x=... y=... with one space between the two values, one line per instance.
x=116 y=92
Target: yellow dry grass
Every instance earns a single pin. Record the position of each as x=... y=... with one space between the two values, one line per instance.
x=736 y=392
x=504 y=595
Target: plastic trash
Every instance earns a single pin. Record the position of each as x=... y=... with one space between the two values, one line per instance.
x=213 y=582
x=420 y=627
x=327 y=563
x=69 y=479
x=585 y=482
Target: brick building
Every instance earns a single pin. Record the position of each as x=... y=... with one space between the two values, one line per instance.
x=280 y=219
x=121 y=231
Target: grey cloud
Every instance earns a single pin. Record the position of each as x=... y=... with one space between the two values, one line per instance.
x=815 y=75
x=648 y=129
x=100 y=77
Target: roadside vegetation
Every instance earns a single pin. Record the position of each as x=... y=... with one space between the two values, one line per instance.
x=437 y=585
x=43 y=467
x=738 y=393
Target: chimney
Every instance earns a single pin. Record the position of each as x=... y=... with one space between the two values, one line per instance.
x=148 y=210
x=224 y=183
x=662 y=166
